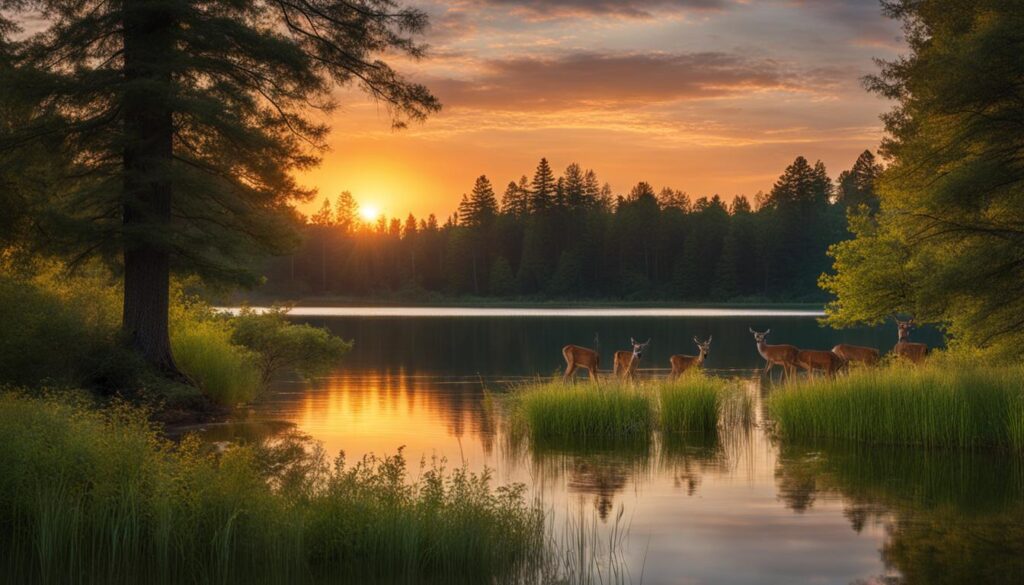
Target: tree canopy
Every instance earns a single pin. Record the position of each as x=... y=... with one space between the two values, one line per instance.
x=947 y=244
x=182 y=123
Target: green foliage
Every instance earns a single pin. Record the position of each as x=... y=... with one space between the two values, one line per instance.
x=98 y=495
x=281 y=346
x=947 y=244
x=939 y=405
x=224 y=371
x=585 y=412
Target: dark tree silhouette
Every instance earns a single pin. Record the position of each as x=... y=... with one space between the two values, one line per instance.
x=186 y=120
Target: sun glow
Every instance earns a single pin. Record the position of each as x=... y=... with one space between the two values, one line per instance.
x=369 y=212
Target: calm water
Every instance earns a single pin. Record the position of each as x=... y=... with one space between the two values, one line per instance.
x=746 y=510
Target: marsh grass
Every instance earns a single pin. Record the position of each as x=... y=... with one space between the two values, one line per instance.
x=584 y=412
x=930 y=406
x=91 y=496
x=693 y=404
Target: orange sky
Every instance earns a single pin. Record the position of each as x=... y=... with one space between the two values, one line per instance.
x=707 y=96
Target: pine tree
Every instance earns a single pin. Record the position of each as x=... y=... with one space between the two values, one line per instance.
x=542 y=189
x=324 y=217
x=187 y=120
x=346 y=212
x=515 y=200
x=857 y=185
x=501 y=283
x=481 y=207
x=591 y=189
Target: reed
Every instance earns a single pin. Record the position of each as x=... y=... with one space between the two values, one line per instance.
x=225 y=372
x=693 y=404
x=91 y=496
x=585 y=412
x=931 y=406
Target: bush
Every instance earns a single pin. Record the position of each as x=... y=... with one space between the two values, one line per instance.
x=225 y=372
x=930 y=405
x=282 y=346
x=97 y=495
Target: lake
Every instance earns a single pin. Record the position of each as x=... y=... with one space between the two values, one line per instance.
x=743 y=510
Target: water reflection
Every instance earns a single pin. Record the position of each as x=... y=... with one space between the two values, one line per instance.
x=733 y=508
x=948 y=517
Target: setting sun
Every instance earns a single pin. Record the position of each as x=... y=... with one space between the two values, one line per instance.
x=369 y=212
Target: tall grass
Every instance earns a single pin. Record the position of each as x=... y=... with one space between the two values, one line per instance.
x=225 y=372
x=931 y=406
x=585 y=412
x=692 y=404
x=98 y=497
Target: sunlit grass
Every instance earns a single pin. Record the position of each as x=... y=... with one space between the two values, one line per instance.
x=931 y=406
x=96 y=496
x=225 y=372
x=582 y=412
x=589 y=413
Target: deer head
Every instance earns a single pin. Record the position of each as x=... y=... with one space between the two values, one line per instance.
x=758 y=337
x=704 y=346
x=904 y=328
x=639 y=348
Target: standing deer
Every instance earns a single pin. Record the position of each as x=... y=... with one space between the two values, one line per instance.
x=915 y=352
x=580 y=357
x=782 y=355
x=813 y=359
x=681 y=363
x=868 y=356
x=626 y=362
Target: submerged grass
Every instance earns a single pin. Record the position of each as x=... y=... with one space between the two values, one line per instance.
x=92 y=496
x=931 y=406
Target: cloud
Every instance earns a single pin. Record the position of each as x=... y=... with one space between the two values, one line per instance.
x=546 y=9
x=601 y=80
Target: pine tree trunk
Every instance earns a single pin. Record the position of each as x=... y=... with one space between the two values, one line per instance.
x=147 y=184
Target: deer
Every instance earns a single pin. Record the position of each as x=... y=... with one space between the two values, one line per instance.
x=626 y=362
x=783 y=355
x=868 y=356
x=580 y=357
x=813 y=359
x=680 y=363
x=915 y=352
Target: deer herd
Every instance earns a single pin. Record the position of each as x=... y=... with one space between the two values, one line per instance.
x=790 y=357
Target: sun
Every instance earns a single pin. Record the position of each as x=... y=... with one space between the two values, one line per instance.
x=369 y=212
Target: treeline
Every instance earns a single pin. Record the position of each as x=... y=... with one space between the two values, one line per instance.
x=570 y=237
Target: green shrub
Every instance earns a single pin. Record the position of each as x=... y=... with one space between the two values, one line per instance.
x=280 y=345
x=932 y=405
x=585 y=412
x=97 y=497
x=224 y=371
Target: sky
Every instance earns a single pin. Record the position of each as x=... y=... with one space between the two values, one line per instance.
x=706 y=96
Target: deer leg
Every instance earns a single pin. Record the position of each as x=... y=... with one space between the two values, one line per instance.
x=569 y=371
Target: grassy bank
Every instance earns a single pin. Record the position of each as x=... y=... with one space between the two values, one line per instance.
x=97 y=496
x=940 y=405
x=613 y=410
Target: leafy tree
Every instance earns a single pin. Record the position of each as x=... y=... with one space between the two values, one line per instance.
x=186 y=121
x=947 y=244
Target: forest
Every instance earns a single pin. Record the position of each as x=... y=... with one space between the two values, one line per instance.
x=571 y=237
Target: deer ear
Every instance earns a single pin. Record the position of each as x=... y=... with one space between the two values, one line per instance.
x=751 y=329
x=709 y=338
x=767 y=332
x=695 y=340
x=633 y=341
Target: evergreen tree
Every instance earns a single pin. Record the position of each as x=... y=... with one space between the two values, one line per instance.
x=346 y=212
x=857 y=185
x=481 y=207
x=542 y=189
x=515 y=201
x=591 y=189
x=324 y=217
x=574 y=185
x=501 y=283
x=187 y=120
